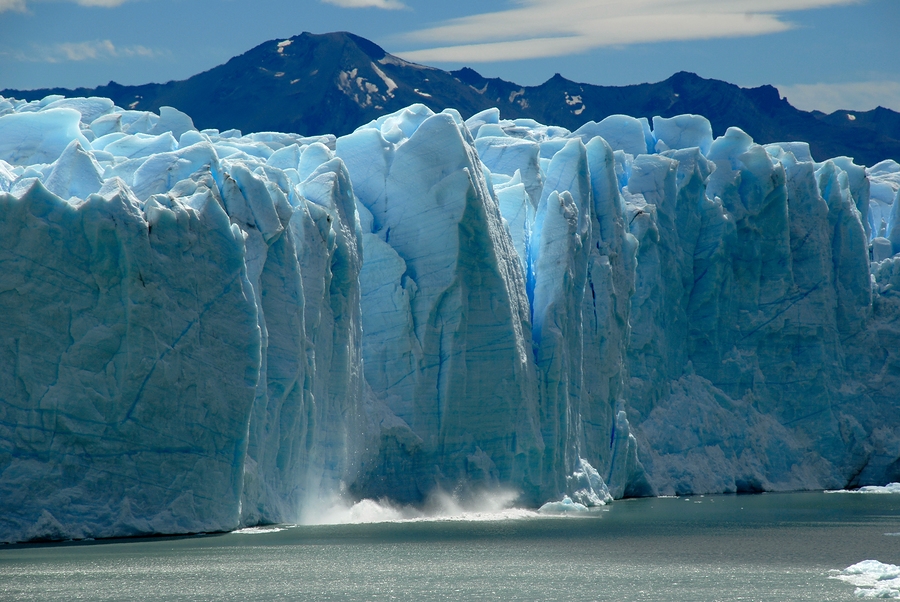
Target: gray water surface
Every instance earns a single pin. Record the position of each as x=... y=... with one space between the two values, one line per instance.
x=759 y=547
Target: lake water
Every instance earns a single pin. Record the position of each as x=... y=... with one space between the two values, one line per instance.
x=753 y=547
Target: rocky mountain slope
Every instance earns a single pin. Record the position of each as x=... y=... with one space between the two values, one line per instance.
x=335 y=82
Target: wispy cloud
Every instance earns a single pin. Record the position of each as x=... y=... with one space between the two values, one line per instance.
x=544 y=28
x=853 y=96
x=20 y=5
x=103 y=3
x=84 y=51
x=384 y=4
x=12 y=5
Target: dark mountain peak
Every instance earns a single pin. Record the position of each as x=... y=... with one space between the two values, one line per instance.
x=557 y=79
x=375 y=51
x=686 y=77
x=469 y=76
x=685 y=81
x=766 y=97
x=311 y=46
x=766 y=93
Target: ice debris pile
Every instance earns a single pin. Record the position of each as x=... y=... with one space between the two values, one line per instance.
x=871 y=489
x=205 y=330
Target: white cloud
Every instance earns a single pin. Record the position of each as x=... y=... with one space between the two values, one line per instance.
x=542 y=28
x=385 y=4
x=13 y=5
x=19 y=5
x=84 y=51
x=103 y=3
x=852 y=96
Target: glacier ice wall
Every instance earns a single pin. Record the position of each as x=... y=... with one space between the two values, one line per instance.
x=183 y=341
x=123 y=327
x=210 y=329
x=460 y=324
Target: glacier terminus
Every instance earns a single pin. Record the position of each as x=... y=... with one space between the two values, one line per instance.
x=204 y=330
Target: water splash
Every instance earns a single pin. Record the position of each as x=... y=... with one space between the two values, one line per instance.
x=440 y=506
x=259 y=530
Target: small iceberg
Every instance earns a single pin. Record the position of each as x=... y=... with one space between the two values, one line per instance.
x=873 y=579
x=564 y=506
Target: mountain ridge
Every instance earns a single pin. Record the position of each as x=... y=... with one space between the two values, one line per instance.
x=335 y=82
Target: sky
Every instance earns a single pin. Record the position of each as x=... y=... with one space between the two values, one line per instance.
x=821 y=54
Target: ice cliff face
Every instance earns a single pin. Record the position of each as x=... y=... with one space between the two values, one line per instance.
x=182 y=341
x=445 y=316
x=209 y=329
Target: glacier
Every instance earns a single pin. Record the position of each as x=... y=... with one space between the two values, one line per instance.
x=210 y=330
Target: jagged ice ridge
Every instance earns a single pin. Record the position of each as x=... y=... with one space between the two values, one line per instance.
x=204 y=330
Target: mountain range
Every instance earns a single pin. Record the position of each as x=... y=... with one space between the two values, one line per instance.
x=335 y=82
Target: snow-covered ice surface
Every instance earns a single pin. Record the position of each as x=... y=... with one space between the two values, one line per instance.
x=209 y=330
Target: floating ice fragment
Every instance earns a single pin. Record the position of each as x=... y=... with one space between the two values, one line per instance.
x=564 y=506
x=873 y=579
